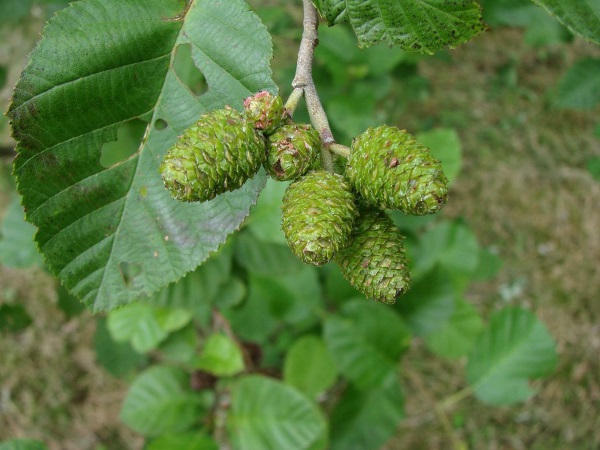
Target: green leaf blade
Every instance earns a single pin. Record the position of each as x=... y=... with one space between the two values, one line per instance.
x=95 y=223
x=268 y=414
x=423 y=26
x=514 y=348
x=581 y=16
x=159 y=403
x=309 y=367
x=580 y=87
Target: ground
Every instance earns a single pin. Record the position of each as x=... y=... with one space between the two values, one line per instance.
x=525 y=191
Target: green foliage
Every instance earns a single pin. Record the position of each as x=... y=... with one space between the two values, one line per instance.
x=221 y=356
x=14 y=318
x=514 y=348
x=17 y=248
x=268 y=414
x=365 y=342
x=309 y=367
x=580 y=87
x=90 y=182
x=367 y=419
x=593 y=167
x=22 y=444
x=91 y=218
x=414 y=25
x=159 y=401
x=183 y=441
x=581 y=17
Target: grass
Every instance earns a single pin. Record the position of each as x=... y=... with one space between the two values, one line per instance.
x=523 y=188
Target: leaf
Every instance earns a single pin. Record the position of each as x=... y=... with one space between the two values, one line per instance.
x=264 y=221
x=144 y=326
x=114 y=234
x=452 y=245
x=17 y=247
x=14 y=318
x=429 y=304
x=22 y=444
x=457 y=336
x=366 y=342
x=14 y=10
x=267 y=414
x=423 y=26
x=159 y=402
x=118 y=358
x=183 y=441
x=581 y=16
x=181 y=346
x=309 y=366
x=593 y=167
x=444 y=144
x=514 y=348
x=266 y=258
x=511 y=13
x=367 y=419
x=221 y=356
x=580 y=87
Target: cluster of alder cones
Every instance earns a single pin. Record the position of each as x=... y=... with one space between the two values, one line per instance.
x=325 y=216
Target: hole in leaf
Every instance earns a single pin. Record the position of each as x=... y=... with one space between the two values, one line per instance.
x=129 y=137
x=160 y=124
x=129 y=272
x=187 y=72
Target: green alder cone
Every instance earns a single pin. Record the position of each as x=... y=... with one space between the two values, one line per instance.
x=265 y=111
x=390 y=169
x=374 y=261
x=292 y=151
x=318 y=216
x=217 y=154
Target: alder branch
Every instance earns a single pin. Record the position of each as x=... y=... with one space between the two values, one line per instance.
x=303 y=83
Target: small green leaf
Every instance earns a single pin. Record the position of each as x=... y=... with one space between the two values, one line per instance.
x=515 y=347
x=423 y=26
x=581 y=16
x=183 y=441
x=366 y=342
x=231 y=294
x=309 y=366
x=22 y=444
x=457 y=336
x=593 y=167
x=444 y=144
x=118 y=358
x=17 y=247
x=145 y=326
x=267 y=414
x=159 y=402
x=580 y=87
x=221 y=356
x=14 y=318
x=367 y=419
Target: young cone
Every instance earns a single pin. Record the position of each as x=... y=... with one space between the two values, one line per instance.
x=265 y=112
x=215 y=155
x=291 y=151
x=392 y=170
x=374 y=261
x=318 y=215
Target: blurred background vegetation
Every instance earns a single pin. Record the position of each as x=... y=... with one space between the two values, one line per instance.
x=514 y=113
